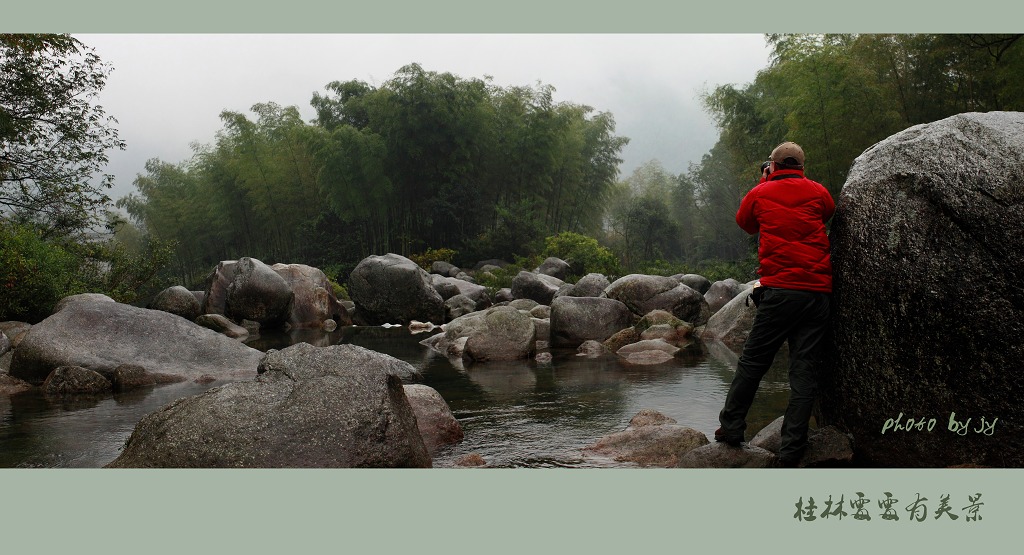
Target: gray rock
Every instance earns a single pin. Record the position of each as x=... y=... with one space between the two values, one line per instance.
x=923 y=213
x=492 y=263
x=826 y=447
x=660 y=324
x=102 y=334
x=543 y=328
x=83 y=297
x=258 y=293
x=435 y=421
x=459 y=305
x=220 y=324
x=477 y=293
x=656 y=442
x=75 y=380
x=314 y=300
x=443 y=286
x=644 y=293
x=338 y=406
x=177 y=300
x=443 y=268
x=650 y=417
x=393 y=289
x=538 y=287
x=215 y=294
x=621 y=338
x=590 y=285
x=131 y=376
x=577 y=319
x=554 y=267
x=498 y=333
x=721 y=292
x=503 y=295
x=732 y=323
x=541 y=311
x=5 y=362
x=720 y=455
x=696 y=282
x=524 y=304
x=591 y=349
x=5 y=344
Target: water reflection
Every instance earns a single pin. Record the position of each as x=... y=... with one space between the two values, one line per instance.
x=519 y=413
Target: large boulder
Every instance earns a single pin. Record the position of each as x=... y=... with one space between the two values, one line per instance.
x=537 y=287
x=577 y=319
x=477 y=293
x=215 y=294
x=651 y=440
x=338 y=406
x=731 y=324
x=100 y=334
x=314 y=300
x=644 y=293
x=434 y=419
x=177 y=300
x=554 y=267
x=696 y=282
x=923 y=213
x=590 y=285
x=258 y=293
x=391 y=289
x=498 y=333
x=721 y=292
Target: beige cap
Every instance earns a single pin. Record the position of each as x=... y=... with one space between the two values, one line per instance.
x=789 y=154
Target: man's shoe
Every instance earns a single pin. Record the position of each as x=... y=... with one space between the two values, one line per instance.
x=722 y=437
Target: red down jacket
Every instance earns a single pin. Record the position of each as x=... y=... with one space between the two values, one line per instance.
x=790 y=211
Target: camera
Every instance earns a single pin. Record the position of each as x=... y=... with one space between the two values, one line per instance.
x=765 y=165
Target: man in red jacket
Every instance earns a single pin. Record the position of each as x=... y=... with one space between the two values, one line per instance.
x=789 y=211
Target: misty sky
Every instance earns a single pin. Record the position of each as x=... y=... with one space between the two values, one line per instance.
x=167 y=91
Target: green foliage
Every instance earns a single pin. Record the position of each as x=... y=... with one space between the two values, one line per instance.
x=583 y=254
x=53 y=138
x=34 y=274
x=427 y=258
x=339 y=290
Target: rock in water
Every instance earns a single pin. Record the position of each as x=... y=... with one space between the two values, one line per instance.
x=437 y=424
x=922 y=214
x=258 y=293
x=314 y=301
x=577 y=319
x=339 y=406
x=644 y=293
x=394 y=289
x=97 y=333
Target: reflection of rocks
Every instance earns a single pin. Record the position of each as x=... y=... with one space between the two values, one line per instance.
x=651 y=440
x=648 y=351
x=101 y=335
x=720 y=455
x=340 y=406
x=434 y=419
x=504 y=378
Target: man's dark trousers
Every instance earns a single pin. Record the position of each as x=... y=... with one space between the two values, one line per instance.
x=802 y=318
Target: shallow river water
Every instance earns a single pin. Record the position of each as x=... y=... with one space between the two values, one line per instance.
x=521 y=414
